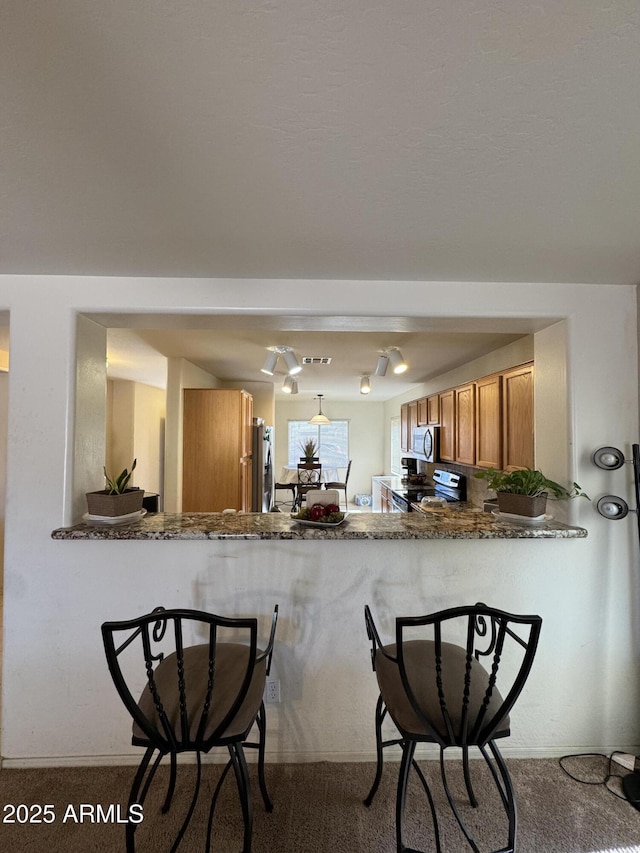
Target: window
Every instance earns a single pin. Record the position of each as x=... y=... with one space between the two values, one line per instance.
x=331 y=439
x=396 y=449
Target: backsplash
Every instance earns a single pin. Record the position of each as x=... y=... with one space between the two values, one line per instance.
x=477 y=491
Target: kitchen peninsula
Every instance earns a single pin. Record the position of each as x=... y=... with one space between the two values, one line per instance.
x=464 y=522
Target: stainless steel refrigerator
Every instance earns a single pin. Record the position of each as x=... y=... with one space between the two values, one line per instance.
x=262 y=492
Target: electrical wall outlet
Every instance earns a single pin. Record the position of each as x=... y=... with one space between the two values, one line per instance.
x=272 y=691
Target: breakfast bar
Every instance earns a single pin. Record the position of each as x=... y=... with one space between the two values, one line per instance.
x=460 y=523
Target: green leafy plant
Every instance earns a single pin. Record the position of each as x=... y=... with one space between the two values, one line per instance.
x=528 y=481
x=309 y=448
x=117 y=485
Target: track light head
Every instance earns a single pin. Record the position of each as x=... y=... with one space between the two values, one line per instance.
x=609 y=458
x=293 y=365
x=269 y=365
x=365 y=385
x=398 y=363
x=381 y=366
x=612 y=507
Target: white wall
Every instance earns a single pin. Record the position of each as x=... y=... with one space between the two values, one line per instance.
x=366 y=436
x=585 y=681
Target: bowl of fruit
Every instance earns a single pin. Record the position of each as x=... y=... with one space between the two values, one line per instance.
x=320 y=515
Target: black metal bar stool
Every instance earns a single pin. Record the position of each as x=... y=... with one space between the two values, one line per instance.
x=191 y=681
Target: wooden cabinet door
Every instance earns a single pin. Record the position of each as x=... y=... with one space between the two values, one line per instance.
x=465 y=420
x=517 y=418
x=405 y=435
x=215 y=434
x=489 y=422
x=433 y=409
x=413 y=422
x=423 y=412
x=246 y=483
x=447 y=426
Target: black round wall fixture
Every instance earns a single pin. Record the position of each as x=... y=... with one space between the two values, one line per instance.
x=612 y=507
x=609 y=458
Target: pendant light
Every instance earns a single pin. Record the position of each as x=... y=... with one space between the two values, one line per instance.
x=365 y=385
x=320 y=419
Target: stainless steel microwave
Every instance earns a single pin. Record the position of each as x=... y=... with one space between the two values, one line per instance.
x=425 y=443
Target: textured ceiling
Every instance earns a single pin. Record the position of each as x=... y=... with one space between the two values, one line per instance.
x=376 y=139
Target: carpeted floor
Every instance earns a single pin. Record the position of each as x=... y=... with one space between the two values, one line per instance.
x=318 y=807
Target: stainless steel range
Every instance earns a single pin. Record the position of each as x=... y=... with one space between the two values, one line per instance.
x=446 y=484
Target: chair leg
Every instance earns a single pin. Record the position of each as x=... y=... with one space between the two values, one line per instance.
x=380 y=714
x=262 y=729
x=470 y=839
x=244 y=790
x=408 y=750
x=134 y=792
x=214 y=800
x=467 y=776
x=172 y=784
x=192 y=805
x=506 y=792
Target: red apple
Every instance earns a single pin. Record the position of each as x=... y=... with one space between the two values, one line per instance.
x=331 y=508
x=316 y=513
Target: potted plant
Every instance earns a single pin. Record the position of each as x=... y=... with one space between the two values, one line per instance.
x=309 y=449
x=525 y=490
x=116 y=499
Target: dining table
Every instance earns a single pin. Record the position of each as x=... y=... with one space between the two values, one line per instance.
x=289 y=475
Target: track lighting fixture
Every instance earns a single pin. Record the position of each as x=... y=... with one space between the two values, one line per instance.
x=320 y=418
x=293 y=365
x=398 y=363
x=611 y=506
x=365 y=385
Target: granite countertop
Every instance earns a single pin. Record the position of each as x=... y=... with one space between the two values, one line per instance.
x=465 y=522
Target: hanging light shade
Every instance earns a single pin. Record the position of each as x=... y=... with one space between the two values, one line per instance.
x=320 y=418
x=365 y=385
x=293 y=366
x=290 y=385
x=269 y=365
x=398 y=363
x=381 y=366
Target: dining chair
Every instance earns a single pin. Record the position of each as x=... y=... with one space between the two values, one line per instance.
x=309 y=477
x=191 y=681
x=451 y=679
x=341 y=485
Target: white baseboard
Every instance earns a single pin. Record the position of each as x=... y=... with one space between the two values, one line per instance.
x=219 y=756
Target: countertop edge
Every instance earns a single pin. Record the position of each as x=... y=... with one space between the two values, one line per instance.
x=470 y=524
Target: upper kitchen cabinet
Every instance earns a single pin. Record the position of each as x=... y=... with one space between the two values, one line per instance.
x=447 y=426
x=465 y=421
x=217 y=436
x=413 y=421
x=429 y=410
x=489 y=422
x=405 y=436
x=517 y=418
x=423 y=412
